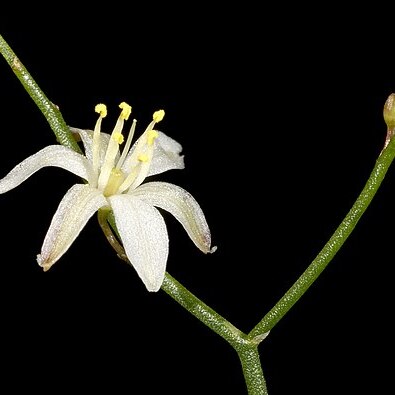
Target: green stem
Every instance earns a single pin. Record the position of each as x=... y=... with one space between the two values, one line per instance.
x=246 y=346
x=49 y=110
x=202 y=312
x=331 y=247
x=253 y=375
x=178 y=292
x=247 y=349
x=102 y=217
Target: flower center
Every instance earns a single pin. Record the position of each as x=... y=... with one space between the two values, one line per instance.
x=114 y=181
x=134 y=163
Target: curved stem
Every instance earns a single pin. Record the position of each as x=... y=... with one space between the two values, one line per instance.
x=247 y=349
x=246 y=346
x=102 y=215
x=178 y=292
x=201 y=311
x=331 y=247
x=49 y=110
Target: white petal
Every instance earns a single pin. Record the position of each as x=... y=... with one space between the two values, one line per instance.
x=74 y=211
x=87 y=138
x=183 y=206
x=144 y=237
x=53 y=155
x=166 y=156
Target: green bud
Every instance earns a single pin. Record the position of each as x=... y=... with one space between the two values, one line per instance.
x=389 y=111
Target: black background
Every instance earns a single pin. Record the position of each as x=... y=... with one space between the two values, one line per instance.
x=280 y=129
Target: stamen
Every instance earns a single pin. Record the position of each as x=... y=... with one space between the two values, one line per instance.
x=113 y=146
x=126 y=110
x=128 y=143
x=140 y=169
x=117 y=137
x=143 y=158
x=151 y=136
x=102 y=110
x=115 y=180
x=158 y=115
x=129 y=180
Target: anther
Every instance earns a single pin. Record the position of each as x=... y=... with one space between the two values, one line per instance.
x=158 y=115
x=143 y=158
x=126 y=111
x=118 y=137
x=101 y=109
x=151 y=136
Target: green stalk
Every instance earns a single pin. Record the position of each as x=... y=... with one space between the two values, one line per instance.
x=201 y=311
x=333 y=245
x=246 y=348
x=252 y=370
x=49 y=110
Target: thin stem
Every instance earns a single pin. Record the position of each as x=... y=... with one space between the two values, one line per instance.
x=102 y=215
x=247 y=349
x=331 y=247
x=178 y=292
x=252 y=370
x=204 y=313
x=49 y=110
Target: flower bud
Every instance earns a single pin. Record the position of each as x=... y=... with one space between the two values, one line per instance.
x=389 y=111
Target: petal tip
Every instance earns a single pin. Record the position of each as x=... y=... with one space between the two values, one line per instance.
x=155 y=289
x=182 y=162
x=152 y=286
x=212 y=249
x=43 y=263
x=209 y=250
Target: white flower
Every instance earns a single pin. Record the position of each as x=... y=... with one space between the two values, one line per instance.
x=114 y=180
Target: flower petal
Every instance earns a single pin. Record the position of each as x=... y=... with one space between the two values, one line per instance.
x=183 y=206
x=75 y=209
x=166 y=156
x=87 y=139
x=144 y=237
x=53 y=155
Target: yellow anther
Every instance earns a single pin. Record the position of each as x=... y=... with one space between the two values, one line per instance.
x=126 y=110
x=118 y=137
x=158 y=115
x=151 y=136
x=101 y=109
x=143 y=158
